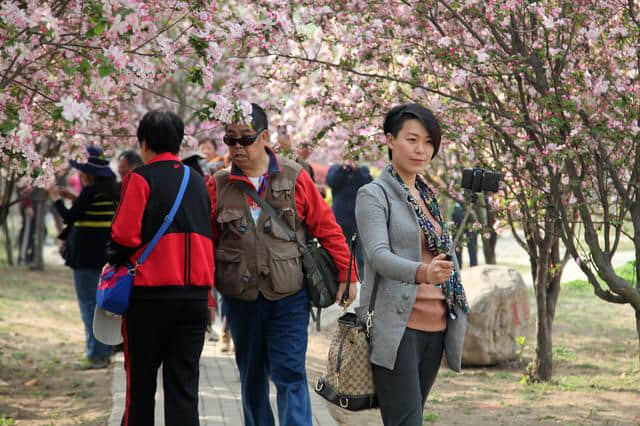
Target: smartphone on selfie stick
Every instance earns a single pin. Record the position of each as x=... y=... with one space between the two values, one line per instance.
x=474 y=181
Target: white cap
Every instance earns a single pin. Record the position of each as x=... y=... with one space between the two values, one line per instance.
x=107 y=327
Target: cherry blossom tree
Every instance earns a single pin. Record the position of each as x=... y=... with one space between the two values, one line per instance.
x=544 y=91
x=72 y=72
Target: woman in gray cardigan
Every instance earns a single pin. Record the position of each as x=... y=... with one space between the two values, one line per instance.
x=419 y=292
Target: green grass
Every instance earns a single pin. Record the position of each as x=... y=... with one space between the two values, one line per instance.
x=626 y=272
x=430 y=417
x=7 y=421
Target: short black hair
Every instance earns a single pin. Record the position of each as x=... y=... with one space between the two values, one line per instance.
x=131 y=157
x=162 y=130
x=259 y=120
x=395 y=118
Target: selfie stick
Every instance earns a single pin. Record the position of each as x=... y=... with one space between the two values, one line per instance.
x=456 y=240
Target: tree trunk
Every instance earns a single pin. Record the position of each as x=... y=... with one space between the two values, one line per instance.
x=488 y=219
x=544 y=350
x=638 y=331
x=40 y=198
x=489 y=248
x=8 y=244
x=5 y=205
x=547 y=276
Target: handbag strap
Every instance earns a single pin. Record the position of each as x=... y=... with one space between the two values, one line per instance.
x=374 y=290
x=167 y=220
x=352 y=258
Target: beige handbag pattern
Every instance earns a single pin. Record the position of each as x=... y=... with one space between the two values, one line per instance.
x=348 y=381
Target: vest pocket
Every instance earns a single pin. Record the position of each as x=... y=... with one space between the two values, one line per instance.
x=285 y=268
x=289 y=217
x=231 y=272
x=232 y=223
x=282 y=190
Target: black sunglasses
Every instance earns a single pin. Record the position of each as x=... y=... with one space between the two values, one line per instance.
x=244 y=140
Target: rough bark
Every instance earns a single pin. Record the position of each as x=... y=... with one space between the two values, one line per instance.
x=40 y=207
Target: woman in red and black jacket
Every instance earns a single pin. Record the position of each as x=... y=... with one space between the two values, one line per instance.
x=167 y=316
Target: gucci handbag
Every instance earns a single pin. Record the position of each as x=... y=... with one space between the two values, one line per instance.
x=348 y=381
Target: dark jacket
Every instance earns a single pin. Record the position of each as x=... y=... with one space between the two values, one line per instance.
x=88 y=226
x=344 y=182
x=181 y=264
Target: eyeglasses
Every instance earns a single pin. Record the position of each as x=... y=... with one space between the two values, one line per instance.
x=244 y=140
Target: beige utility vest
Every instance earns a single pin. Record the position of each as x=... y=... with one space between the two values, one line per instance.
x=252 y=257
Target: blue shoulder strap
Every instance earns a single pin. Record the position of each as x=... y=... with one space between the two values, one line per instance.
x=167 y=220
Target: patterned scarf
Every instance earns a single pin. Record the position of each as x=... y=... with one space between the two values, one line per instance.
x=453 y=290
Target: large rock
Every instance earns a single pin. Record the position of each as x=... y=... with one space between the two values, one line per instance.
x=499 y=314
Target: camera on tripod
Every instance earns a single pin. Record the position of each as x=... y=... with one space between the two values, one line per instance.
x=480 y=180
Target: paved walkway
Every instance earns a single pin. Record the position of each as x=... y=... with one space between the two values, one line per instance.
x=219 y=393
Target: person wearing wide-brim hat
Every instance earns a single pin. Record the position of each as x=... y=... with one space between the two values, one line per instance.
x=88 y=229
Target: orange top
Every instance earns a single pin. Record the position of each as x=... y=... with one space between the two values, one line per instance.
x=429 y=312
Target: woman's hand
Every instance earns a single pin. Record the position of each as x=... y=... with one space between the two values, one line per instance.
x=353 y=292
x=439 y=270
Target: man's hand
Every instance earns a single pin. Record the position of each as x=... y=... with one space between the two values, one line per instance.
x=212 y=314
x=353 y=292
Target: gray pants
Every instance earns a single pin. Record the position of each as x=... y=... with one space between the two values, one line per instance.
x=403 y=391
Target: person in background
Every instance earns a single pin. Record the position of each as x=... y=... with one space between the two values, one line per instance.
x=194 y=159
x=304 y=151
x=127 y=161
x=405 y=243
x=167 y=315
x=212 y=161
x=470 y=235
x=259 y=270
x=89 y=222
x=344 y=180
x=26 y=237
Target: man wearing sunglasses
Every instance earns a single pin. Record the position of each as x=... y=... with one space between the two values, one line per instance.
x=259 y=270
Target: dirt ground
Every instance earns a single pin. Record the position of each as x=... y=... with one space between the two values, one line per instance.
x=596 y=371
x=41 y=336
x=596 y=376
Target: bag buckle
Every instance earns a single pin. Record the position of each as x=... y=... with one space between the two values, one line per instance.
x=369 y=323
x=132 y=271
x=319 y=385
x=344 y=402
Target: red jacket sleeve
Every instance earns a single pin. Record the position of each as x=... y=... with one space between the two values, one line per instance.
x=321 y=223
x=126 y=228
x=213 y=195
